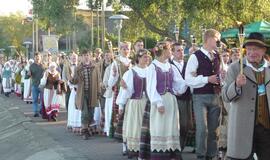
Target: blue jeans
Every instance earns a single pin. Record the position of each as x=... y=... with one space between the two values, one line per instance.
x=207 y=111
x=35 y=94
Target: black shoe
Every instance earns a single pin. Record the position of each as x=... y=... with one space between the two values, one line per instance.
x=54 y=118
x=36 y=115
x=85 y=134
x=124 y=153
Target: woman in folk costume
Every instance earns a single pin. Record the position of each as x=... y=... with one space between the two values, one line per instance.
x=7 y=79
x=163 y=82
x=18 y=77
x=120 y=65
x=50 y=96
x=133 y=98
x=27 y=94
x=74 y=115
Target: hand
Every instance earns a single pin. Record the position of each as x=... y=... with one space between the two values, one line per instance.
x=161 y=109
x=223 y=74
x=46 y=73
x=114 y=71
x=123 y=84
x=213 y=79
x=121 y=111
x=241 y=80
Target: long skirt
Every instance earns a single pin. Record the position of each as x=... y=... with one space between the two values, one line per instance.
x=133 y=123
x=7 y=85
x=51 y=102
x=27 y=94
x=17 y=89
x=74 y=115
x=163 y=130
x=108 y=114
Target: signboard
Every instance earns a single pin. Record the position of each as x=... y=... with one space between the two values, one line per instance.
x=50 y=43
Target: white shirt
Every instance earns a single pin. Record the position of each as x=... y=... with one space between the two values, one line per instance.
x=192 y=79
x=179 y=85
x=113 y=79
x=180 y=65
x=257 y=69
x=128 y=77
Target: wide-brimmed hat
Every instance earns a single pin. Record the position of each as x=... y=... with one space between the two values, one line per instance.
x=257 y=39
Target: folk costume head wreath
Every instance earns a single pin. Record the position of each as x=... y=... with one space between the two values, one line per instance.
x=160 y=47
x=140 y=53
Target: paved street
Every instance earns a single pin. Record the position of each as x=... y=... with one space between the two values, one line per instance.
x=96 y=148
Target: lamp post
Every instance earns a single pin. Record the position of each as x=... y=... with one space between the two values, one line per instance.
x=2 y=50
x=119 y=18
x=176 y=32
x=11 y=50
x=27 y=43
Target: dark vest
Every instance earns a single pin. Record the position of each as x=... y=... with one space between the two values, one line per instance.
x=139 y=84
x=187 y=95
x=207 y=67
x=164 y=80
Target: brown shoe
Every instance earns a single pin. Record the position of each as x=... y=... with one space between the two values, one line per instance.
x=85 y=134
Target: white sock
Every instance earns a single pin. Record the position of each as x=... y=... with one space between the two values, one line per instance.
x=124 y=147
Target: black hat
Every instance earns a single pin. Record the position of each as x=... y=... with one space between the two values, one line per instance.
x=257 y=39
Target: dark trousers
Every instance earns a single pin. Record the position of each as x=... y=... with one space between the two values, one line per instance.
x=261 y=144
x=87 y=111
x=185 y=113
x=67 y=97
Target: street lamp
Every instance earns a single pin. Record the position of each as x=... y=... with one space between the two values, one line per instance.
x=176 y=32
x=11 y=50
x=119 y=18
x=27 y=43
x=2 y=50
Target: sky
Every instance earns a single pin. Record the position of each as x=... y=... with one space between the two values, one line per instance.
x=13 y=6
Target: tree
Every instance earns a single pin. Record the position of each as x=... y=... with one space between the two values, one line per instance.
x=13 y=32
x=160 y=16
x=55 y=14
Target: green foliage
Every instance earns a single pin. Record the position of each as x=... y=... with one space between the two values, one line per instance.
x=55 y=14
x=160 y=16
x=13 y=32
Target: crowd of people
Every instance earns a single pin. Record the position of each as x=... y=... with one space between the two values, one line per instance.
x=156 y=102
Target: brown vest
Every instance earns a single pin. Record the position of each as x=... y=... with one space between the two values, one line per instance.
x=262 y=116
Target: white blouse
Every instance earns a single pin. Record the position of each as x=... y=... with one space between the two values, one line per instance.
x=125 y=94
x=113 y=79
x=179 y=84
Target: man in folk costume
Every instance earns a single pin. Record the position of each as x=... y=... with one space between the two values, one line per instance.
x=120 y=65
x=247 y=88
x=108 y=94
x=184 y=101
x=65 y=74
x=202 y=74
x=87 y=78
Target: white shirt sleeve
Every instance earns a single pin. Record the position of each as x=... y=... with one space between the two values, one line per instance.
x=179 y=84
x=192 y=79
x=113 y=78
x=125 y=94
x=106 y=75
x=151 y=85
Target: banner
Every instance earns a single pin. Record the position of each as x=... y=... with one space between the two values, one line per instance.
x=50 y=43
